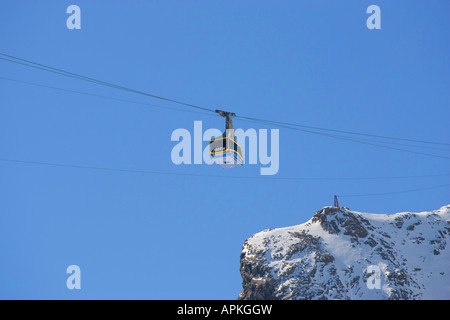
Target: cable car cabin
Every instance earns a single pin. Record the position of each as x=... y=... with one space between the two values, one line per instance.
x=226 y=152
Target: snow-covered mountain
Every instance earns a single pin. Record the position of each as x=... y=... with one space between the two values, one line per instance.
x=343 y=254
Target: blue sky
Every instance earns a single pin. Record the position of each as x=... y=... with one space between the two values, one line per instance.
x=152 y=236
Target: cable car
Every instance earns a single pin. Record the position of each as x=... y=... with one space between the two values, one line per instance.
x=224 y=149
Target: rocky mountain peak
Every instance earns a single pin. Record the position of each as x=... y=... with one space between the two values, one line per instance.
x=335 y=220
x=338 y=253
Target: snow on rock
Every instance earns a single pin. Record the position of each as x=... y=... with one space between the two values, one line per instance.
x=343 y=254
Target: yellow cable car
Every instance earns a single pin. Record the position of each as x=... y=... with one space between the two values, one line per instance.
x=224 y=149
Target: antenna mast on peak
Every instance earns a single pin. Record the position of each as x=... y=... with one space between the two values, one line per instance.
x=336 y=203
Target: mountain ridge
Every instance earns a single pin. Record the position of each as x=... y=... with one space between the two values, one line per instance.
x=344 y=254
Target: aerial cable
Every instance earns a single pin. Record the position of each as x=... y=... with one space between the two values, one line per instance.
x=74 y=166
x=361 y=141
x=400 y=144
x=84 y=78
x=343 y=131
x=261 y=121
x=198 y=112
x=106 y=97
x=185 y=110
x=394 y=192
x=345 y=138
x=278 y=123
